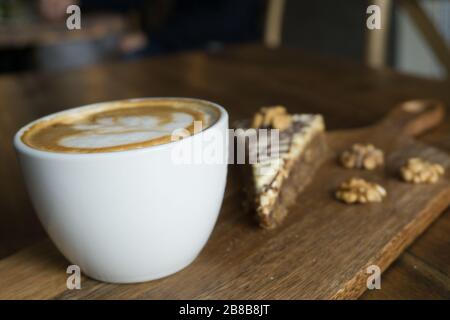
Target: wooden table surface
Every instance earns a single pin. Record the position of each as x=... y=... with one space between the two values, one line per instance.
x=242 y=79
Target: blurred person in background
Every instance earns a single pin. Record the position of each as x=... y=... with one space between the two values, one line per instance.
x=173 y=25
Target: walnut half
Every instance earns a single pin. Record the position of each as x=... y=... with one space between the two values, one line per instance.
x=362 y=156
x=417 y=170
x=274 y=117
x=358 y=190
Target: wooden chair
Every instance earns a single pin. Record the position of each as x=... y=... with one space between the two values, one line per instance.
x=376 y=40
x=376 y=44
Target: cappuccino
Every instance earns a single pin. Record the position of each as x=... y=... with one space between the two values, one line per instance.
x=119 y=125
x=133 y=215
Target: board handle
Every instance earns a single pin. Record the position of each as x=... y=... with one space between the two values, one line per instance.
x=414 y=117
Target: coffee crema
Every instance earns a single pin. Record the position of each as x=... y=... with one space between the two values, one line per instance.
x=119 y=125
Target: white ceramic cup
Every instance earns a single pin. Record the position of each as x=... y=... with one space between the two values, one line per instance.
x=126 y=216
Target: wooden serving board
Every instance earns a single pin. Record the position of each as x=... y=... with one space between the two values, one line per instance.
x=322 y=251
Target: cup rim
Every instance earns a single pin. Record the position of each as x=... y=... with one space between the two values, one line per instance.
x=22 y=147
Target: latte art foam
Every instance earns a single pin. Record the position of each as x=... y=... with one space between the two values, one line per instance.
x=119 y=126
x=111 y=132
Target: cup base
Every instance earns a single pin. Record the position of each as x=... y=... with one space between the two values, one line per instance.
x=141 y=278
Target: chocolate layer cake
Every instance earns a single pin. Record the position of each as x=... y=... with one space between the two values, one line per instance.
x=274 y=181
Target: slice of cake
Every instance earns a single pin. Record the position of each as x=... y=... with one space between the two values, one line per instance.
x=274 y=179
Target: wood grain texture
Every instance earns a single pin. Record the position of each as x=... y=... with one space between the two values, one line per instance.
x=242 y=79
x=34 y=273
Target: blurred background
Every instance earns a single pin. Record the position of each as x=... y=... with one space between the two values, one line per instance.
x=414 y=38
